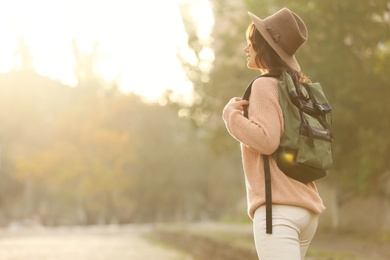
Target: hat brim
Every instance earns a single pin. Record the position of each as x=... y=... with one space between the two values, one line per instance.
x=261 y=27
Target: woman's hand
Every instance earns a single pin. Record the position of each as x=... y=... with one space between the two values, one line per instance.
x=237 y=103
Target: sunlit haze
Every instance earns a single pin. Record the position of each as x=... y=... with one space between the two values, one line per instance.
x=137 y=40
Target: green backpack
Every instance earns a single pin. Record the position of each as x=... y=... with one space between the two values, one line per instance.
x=305 y=150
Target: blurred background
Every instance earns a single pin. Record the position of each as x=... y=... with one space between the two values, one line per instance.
x=110 y=111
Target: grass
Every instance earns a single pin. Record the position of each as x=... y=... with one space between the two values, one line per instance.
x=153 y=239
x=313 y=253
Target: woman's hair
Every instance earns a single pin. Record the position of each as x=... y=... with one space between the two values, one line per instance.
x=267 y=59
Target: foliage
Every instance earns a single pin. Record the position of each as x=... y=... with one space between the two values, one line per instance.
x=91 y=154
x=68 y=158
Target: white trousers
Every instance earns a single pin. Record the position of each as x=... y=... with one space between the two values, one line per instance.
x=293 y=228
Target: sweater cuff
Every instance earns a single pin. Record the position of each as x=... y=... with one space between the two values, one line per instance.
x=227 y=111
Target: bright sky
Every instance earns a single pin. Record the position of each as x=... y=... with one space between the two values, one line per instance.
x=138 y=40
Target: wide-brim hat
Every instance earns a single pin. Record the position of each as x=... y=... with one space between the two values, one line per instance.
x=285 y=32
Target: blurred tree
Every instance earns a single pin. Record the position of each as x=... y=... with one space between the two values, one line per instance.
x=78 y=155
x=89 y=82
x=85 y=155
x=28 y=107
x=115 y=160
x=214 y=87
x=24 y=59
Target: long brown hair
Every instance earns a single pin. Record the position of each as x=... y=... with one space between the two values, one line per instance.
x=267 y=59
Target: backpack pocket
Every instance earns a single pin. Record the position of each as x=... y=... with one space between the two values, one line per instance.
x=319 y=156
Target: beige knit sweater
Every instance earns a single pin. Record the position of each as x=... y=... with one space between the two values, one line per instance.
x=260 y=134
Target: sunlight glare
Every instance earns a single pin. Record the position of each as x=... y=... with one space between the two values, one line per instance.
x=137 y=40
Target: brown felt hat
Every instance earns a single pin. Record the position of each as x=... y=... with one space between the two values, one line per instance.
x=285 y=32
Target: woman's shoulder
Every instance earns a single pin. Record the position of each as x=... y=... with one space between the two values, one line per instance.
x=265 y=88
x=265 y=83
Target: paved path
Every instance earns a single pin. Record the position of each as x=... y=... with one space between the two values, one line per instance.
x=92 y=243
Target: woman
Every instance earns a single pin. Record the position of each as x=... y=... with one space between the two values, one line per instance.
x=272 y=43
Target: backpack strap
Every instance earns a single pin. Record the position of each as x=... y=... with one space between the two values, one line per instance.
x=267 y=172
x=268 y=195
x=247 y=94
x=321 y=110
x=248 y=89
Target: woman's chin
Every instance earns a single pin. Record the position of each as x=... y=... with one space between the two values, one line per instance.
x=251 y=66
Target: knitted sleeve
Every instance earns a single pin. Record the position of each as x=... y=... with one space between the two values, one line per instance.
x=262 y=131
